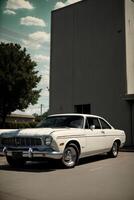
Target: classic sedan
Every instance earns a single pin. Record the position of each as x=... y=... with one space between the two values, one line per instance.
x=65 y=137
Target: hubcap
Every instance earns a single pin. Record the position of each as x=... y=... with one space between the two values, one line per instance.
x=70 y=156
x=115 y=149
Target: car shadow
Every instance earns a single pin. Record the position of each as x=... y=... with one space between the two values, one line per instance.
x=38 y=167
x=92 y=159
x=34 y=167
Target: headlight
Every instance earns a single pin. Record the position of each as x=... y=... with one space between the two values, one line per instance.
x=48 y=140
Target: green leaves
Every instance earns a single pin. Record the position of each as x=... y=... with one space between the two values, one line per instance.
x=18 y=79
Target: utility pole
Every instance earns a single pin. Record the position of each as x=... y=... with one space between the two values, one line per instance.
x=41 y=109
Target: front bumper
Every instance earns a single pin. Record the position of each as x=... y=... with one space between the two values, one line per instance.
x=31 y=153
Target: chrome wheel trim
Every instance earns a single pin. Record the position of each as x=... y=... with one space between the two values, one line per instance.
x=70 y=156
x=115 y=149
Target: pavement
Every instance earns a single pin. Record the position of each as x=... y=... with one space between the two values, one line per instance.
x=95 y=178
x=127 y=149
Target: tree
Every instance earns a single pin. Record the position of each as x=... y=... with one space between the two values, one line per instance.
x=18 y=79
x=38 y=118
x=45 y=114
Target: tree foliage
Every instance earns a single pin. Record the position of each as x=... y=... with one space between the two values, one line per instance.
x=38 y=118
x=18 y=79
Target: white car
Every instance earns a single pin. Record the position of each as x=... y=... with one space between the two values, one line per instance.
x=66 y=137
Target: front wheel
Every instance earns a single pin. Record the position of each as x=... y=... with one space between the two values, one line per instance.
x=70 y=156
x=114 y=150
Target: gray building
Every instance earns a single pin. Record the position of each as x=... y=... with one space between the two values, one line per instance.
x=92 y=61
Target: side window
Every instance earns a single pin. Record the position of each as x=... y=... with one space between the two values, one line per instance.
x=92 y=121
x=96 y=123
x=104 y=124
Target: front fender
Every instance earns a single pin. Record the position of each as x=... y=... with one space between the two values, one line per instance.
x=62 y=141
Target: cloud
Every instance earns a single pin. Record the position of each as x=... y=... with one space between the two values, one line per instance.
x=36 y=39
x=60 y=4
x=72 y=1
x=32 y=21
x=45 y=93
x=9 y=12
x=41 y=58
x=44 y=83
x=40 y=37
x=30 y=44
x=45 y=79
x=4 y=40
x=19 y=4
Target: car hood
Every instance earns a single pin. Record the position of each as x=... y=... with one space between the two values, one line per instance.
x=29 y=132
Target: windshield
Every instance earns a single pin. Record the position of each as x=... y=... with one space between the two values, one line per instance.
x=62 y=121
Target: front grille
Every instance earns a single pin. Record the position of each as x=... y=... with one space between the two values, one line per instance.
x=21 y=141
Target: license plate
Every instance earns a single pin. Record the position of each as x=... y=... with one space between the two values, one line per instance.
x=17 y=154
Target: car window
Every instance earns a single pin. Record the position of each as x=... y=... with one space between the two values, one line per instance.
x=61 y=122
x=104 y=124
x=90 y=121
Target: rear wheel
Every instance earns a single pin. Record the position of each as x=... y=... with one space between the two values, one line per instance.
x=70 y=156
x=114 y=150
x=15 y=162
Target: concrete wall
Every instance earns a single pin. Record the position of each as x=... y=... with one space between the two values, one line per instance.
x=88 y=61
x=132 y=132
x=61 y=61
x=129 y=19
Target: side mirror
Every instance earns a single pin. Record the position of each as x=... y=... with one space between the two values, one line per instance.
x=92 y=127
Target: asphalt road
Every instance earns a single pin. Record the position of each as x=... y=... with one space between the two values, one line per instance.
x=95 y=178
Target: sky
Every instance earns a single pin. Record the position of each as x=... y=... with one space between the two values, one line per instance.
x=28 y=23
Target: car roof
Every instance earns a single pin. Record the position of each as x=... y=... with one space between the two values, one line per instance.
x=74 y=114
x=83 y=115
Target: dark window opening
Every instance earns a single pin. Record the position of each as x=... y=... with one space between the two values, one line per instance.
x=83 y=109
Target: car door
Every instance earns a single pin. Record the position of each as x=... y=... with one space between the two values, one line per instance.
x=95 y=137
x=109 y=133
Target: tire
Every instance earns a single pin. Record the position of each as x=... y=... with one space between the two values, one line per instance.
x=114 y=150
x=15 y=162
x=70 y=156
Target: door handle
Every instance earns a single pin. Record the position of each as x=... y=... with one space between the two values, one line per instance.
x=103 y=132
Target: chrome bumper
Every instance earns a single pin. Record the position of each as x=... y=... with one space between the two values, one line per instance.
x=31 y=153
